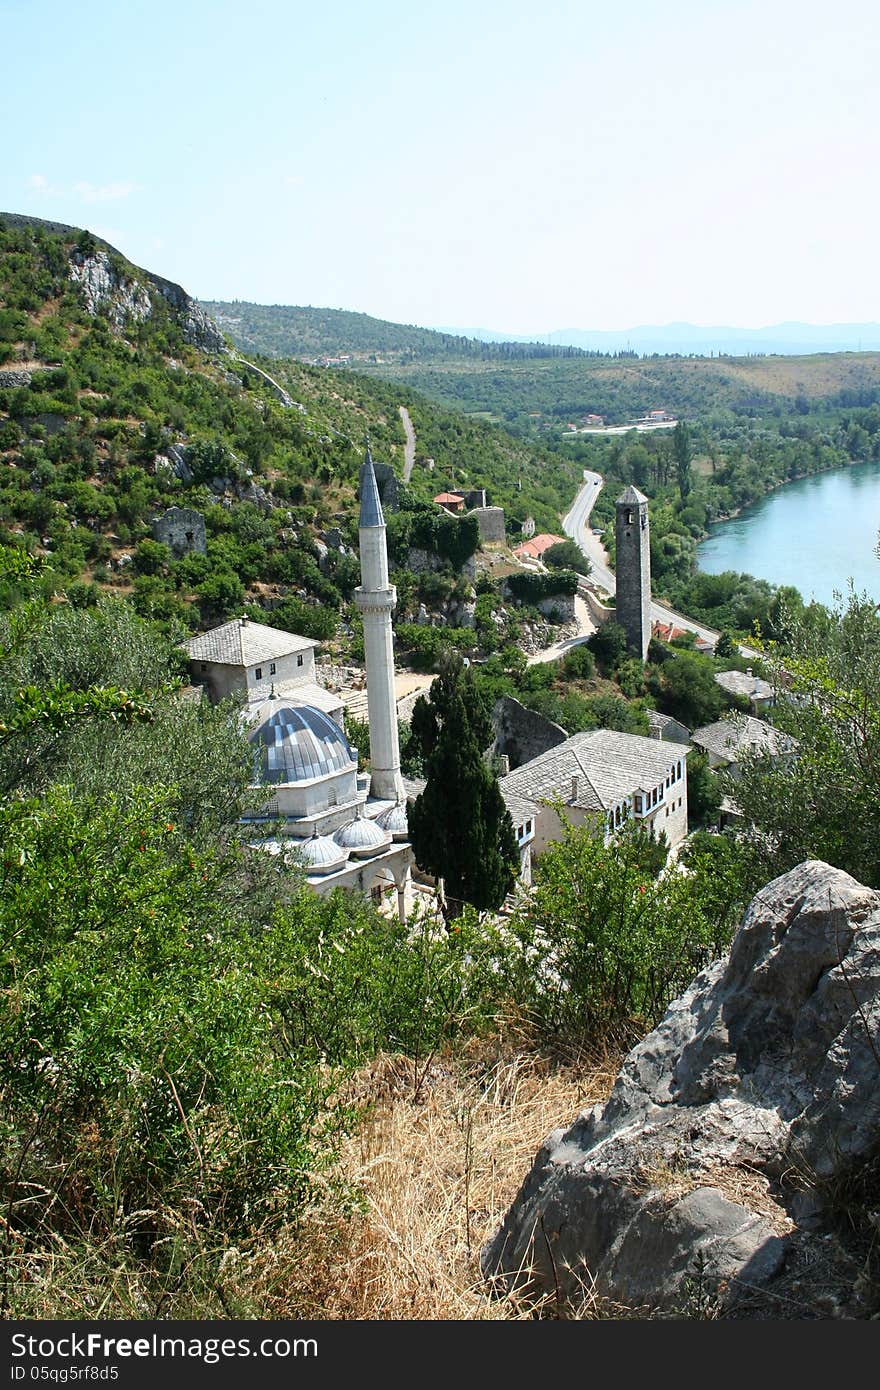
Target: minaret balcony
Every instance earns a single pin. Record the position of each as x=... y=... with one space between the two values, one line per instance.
x=376 y=600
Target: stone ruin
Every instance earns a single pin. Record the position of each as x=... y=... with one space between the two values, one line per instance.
x=714 y=1176
x=182 y=530
x=491 y=523
x=522 y=734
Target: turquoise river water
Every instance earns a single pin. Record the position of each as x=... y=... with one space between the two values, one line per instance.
x=816 y=533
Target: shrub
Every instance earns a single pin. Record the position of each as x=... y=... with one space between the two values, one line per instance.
x=532 y=589
x=579 y=663
x=145 y=1066
x=604 y=944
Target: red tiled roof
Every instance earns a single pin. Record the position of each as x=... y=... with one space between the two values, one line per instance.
x=667 y=632
x=449 y=497
x=535 y=548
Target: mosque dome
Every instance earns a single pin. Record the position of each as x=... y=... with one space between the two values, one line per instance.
x=394 y=821
x=296 y=743
x=362 y=838
x=321 y=853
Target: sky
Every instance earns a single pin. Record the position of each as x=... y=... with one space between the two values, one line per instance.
x=502 y=164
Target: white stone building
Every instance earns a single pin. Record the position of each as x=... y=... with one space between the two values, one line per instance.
x=600 y=777
x=246 y=658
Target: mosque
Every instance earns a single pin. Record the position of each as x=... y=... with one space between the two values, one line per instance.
x=349 y=828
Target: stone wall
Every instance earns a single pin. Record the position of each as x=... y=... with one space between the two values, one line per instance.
x=182 y=530
x=521 y=734
x=491 y=522
x=476 y=497
x=598 y=611
x=559 y=607
x=12 y=378
x=389 y=491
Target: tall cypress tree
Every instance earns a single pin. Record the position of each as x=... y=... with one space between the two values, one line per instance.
x=459 y=827
x=681 y=443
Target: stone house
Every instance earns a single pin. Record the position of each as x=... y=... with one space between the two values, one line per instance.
x=600 y=777
x=727 y=741
x=249 y=659
x=759 y=693
x=663 y=726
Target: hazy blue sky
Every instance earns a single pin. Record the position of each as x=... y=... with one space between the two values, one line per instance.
x=505 y=164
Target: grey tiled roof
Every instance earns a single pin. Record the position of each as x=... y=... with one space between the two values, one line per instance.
x=521 y=808
x=741 y=733
x=741 y=683
x=245 y=643
x=631 y=496
x=608 y=765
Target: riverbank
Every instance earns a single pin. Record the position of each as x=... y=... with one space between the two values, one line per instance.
x=816 y=533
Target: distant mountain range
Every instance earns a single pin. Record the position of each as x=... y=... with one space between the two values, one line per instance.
x=786 y=339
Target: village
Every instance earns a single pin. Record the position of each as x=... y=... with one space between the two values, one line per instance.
x=349 y=828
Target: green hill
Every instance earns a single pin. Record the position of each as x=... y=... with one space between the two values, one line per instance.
x=119 y=398
x=547 y=395
x=538 y=387
x=316 y=335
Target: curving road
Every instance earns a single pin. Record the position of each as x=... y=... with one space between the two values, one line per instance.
x=409 y=448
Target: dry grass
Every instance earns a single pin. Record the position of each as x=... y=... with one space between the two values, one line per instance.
x=422 y=1182
x=437 y=1161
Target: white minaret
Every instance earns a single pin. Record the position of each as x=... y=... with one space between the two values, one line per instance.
x=376 y=599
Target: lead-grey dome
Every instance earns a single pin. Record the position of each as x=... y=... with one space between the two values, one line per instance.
x=362 y=838
x=394 y=821
x=297 y=743
x=321 y=853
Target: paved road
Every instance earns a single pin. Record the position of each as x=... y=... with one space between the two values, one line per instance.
x=409 y=448
x=576 y=526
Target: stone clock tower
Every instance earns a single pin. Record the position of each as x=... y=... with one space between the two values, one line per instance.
x=633 y=569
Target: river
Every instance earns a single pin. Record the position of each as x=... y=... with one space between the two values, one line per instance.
x=816 y=533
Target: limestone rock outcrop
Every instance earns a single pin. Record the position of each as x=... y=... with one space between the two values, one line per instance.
x=708 y=1171
x=126 y=298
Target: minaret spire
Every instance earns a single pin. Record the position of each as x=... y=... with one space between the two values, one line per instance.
x=376 y=599
x=371 y=505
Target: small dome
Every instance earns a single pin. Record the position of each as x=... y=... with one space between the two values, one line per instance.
x=297 y=743
x=321 y=853
x=394 y=821
x=362 y=838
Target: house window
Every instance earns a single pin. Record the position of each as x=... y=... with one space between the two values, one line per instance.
x=259 y=673
x=299 y=660
x=272 y=669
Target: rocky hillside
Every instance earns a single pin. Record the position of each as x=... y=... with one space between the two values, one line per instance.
x=120 y=399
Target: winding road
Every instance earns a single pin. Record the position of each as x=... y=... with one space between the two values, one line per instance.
x=409 y=448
